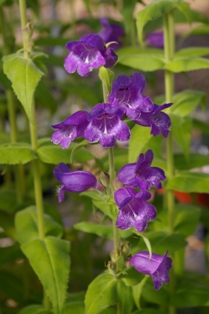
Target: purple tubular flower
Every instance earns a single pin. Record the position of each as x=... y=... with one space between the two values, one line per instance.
x=73 y=181
x=159 y=121
x=134 y=211
x=87 y=53
x=105 y=125
x=157 y=266
x=111 y=32
x=140 y=174
x=155 y=40
x=126 y=92
x=69 y=129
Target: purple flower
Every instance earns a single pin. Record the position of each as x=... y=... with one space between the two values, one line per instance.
x=87 y=53
x=73 y=181
x=105 y=125
x=159 y=121
x=134 y=211
x=140 y=174
x=111 y=32
x=126 y=92
x=157 y=266
x=69 y=129
x=155 y=39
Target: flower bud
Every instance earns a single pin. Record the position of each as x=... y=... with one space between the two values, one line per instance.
x=104 y=179
x=111 y=266
x=115 y=255
x=125 y=249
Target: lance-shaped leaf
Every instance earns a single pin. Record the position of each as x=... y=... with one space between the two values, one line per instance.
x=52 y=267
x=152 y=12
x=186 y=64
x=16 y=153
x=24 y=75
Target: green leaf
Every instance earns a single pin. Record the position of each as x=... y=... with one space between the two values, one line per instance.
x=195 y=161
x=153 y=11
x=148 y=311
x=106 y=76
x=181 y=129
x=187 y=219
x=8 y=200
x=192 y=52
x=53 y=267
x=33 y=309
x=137 y=290
x=161 y=242
x=185 y=64
x=186 y=181
x=16 y=153
x=76 y=149
x=54 y=154
x=185 y=9
x=142 y=62
x=185 y=102
x=101 y=293
x=74 y=308
x=26 y=222
x=140 y=137
x=160 y=297
x=25 y=76
x=100 y=230
x=108 y=207
x=191 y=292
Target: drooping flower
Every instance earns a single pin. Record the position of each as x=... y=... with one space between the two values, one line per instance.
x=127 y=92
x=140 y=174
x=69 y=129
x=155 y=39
x=157 y=266
x=87 y=53
x=105 y=125
x=111 y=32
x=159 y=121
x=73 y=181
x=134 y=210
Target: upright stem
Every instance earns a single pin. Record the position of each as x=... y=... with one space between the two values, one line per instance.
x=23 y=17
x=169 y=90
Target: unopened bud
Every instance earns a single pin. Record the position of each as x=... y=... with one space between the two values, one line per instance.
x=111 y=266
x=104 y=179
x=115 y=255
x=125 y=249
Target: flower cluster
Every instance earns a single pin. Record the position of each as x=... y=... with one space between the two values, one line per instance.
x=105 y=124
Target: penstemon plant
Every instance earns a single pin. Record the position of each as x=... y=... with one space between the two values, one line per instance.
x=131 y=259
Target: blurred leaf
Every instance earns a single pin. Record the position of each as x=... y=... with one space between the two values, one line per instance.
x=195 y=160
x=192 y=52
x=140 y=137
x=186 y=181
x=25 y=76
x=54 y=154
x=185 y=102
x=143 y=62
x=160 y=297
x=44 y=97
x=148 y=311
x=182 y=129
x=8 y=200
x=9 y=254
x=187 y=219
x=101 y=293
x=33 y=309
x=185 y=9
x=50 y=41
x=185 y=64
x=53 y=267
x=199 y=30
x=100 y=230
x=137 y=290
x=16 y=153
x=151 y=12
x=26 y=222
x=191 y=292
x=11 y=285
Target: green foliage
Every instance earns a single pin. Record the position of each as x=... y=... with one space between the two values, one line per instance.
x=16 y=153
x=25 y=76
x=186 y=64
x=187 y=219
x=153 y=11
x=186 y=181
x=53 y=267
x=106 y=76
x=101 y=293
x=195 y=160
x=26 y=222
x=33 y=309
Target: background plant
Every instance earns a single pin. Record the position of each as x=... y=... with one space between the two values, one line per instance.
x=19 y=285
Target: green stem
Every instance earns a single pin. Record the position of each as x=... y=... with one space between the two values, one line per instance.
x=23 y=18
x=169 y=90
